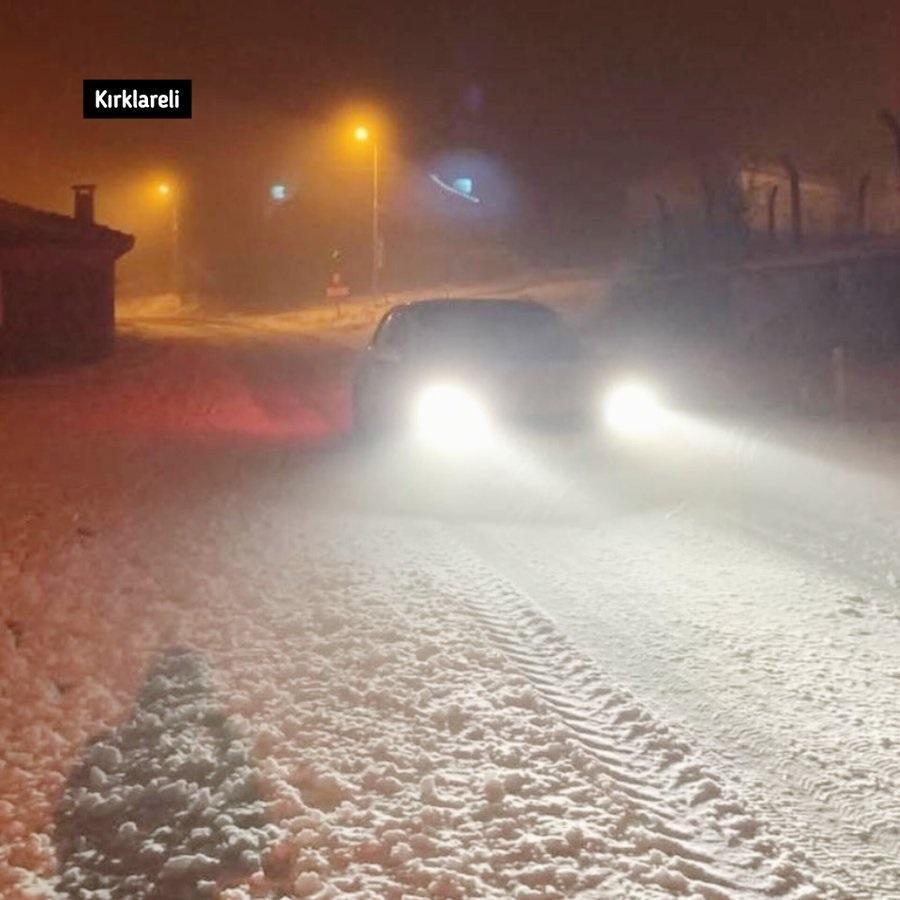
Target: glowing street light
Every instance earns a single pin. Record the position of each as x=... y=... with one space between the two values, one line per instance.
x=166 y=192
x=361 y=133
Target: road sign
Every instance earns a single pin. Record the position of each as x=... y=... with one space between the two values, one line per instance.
x=336 y=287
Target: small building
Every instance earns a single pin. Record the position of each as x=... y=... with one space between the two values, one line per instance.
x=57 y=284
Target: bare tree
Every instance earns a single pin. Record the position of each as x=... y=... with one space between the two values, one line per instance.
x=709 y=196
x=796 y=206
x=665 y=223
x=889 y=120
x=770 y=209
x=862 y=196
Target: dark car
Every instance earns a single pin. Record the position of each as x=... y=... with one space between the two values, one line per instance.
x=450 y=369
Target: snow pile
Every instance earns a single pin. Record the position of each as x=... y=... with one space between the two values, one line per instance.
x=153 y=306
x=166 y=804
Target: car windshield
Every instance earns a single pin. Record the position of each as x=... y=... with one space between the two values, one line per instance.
x=491 y=330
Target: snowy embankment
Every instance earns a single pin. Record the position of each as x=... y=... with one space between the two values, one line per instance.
x=216 y=680
x=574 y=291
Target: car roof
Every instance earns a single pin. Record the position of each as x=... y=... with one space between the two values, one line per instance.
x=473 y=304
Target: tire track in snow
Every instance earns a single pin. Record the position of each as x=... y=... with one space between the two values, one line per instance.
x=859 y=554
x=568 y=570
x=689 y=813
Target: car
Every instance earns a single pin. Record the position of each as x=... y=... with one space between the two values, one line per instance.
x=451 y=372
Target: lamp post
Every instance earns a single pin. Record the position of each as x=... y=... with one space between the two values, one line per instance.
x=361 y=133
x=164 y=190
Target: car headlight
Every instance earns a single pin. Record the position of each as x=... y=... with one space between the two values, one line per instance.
x=633 y=410
x=451 y=418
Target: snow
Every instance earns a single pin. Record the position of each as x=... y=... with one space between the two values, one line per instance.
x=235 y=664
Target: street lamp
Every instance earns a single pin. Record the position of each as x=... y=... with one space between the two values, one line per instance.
x=165 y=191
x=361 y=133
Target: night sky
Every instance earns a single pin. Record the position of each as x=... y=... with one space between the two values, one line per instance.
x=573 y=96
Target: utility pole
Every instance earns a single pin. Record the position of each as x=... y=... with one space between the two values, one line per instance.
x=377 y=253
x=176 y=249
x=363 y=135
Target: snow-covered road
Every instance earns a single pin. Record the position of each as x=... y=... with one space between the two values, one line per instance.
x=782 y=672
x=333 y=673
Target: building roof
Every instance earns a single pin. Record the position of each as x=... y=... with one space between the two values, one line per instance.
x=474 y=305
x=23 y=226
